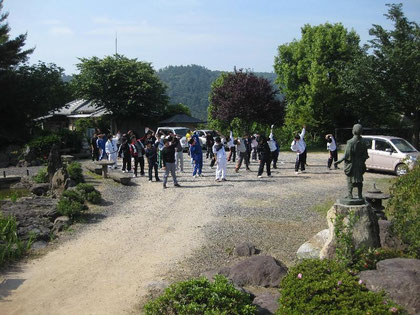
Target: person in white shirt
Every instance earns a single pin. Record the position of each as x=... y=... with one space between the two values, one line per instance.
x=220 y=156
x=274 y=148
x=111 y=150
x=332 y=147
x=254 y=145
x=243 y=154
x=299 y=146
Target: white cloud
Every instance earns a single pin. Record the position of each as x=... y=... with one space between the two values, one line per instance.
x=61 y=30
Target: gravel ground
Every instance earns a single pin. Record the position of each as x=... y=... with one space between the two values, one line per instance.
x=143 y=234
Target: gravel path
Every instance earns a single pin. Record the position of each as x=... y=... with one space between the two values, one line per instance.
x=149 y=234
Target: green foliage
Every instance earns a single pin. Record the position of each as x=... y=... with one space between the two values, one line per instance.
x=11 y=247
x=69 y=207
x=404 y=209
x=73 y=195
x=175 y=109
x=89 y=193
x=308 y=74
x=367 y=259
x=75 y=172
x=326 y=287
x=345 y=250
x=42 y=144
x=200 y=296
x=126 y=87
x=41 y=176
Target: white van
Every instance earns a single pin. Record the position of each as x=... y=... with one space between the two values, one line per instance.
x=391 y=154
x=180 y=131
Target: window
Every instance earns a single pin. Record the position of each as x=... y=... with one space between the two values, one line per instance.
x=403 y=145
x=382 y=145
x=368 y=142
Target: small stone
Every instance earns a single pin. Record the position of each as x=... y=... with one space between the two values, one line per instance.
x=245 y=249
x=60 y=223
x=39 y=245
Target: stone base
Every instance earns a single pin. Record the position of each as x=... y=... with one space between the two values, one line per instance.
x=351 y=201
x=365 y=230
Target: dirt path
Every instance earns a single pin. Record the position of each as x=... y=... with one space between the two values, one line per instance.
x=149 y=232
x=106 y=268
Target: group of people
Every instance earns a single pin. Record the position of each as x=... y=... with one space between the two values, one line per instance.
x=166 y=152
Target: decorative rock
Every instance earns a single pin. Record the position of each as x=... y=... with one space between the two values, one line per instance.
x=59 y=179
x=54 y=161
x=262 y=271
x=365 y=229
x=40 y=189
x=39 y=245
x=245 y=249
x=157 y=287
x=94 y=168
x=60 y=223
x=388 y=240
x=267 y=303
x=69 y=183
x=312 y=248
x=399 y=278
x=120 y=178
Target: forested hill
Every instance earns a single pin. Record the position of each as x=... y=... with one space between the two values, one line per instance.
x=190 y=85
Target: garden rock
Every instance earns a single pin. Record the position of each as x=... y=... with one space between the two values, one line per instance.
x=39 y=245
x=60 y=223
x=40 y=189
x=59 y=179
x=29 y=154
x=365 y=230
x=388 y=239
x=245 y=249
x=312 y=248
x=399 y=278
x=54 y=161
x=267 y=303
x=69 y=183
x=33 y=215
x=262 y=271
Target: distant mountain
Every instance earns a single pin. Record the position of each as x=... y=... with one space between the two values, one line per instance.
x=190 y=85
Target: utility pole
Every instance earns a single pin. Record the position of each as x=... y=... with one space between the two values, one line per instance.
x=116 y=44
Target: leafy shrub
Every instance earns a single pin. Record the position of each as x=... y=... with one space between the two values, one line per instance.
x=403 y=209
x=75 y=172
x=42 y=144
x=89 y=193
x=11 y=247
x=41 y=176
x=71 y=203
x=200 y=296
x=326 y=287
x=70 y=208
x=367 y=259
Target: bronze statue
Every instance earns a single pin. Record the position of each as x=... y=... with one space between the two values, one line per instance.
x=354 y=159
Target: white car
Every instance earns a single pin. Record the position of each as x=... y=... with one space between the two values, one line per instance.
x=391 y=154
x=180 y=131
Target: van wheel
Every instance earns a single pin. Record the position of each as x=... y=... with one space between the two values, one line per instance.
x=401 y=169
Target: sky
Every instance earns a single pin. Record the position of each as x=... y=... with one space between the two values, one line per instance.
x=216 y=34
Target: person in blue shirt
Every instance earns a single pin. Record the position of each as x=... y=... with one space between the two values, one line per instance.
x=100 y=143
x=196 y=155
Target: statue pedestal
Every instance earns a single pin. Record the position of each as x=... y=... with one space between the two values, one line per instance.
x=365 y=231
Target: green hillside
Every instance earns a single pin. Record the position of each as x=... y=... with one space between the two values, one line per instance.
x=190 y=85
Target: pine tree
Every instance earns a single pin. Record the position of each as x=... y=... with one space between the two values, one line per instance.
x=11 y=53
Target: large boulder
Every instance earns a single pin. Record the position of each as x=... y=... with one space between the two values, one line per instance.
x=34 y=216
x=365 y=230
x=267 y=303
x=312 y=248
x=399 y=278
x=262 y=271
x=54 y=161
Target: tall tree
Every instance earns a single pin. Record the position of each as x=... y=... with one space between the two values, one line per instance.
x=308 y=73
x=397 y=60
x=11 y=53
x=245 y=96
x=126 y=87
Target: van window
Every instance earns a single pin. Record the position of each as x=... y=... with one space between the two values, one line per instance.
x=181 y=132
x=382 y=145
x=403 y=145
x=368 y=142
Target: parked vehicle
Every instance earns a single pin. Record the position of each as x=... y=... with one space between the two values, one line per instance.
x=202 y=135
x=180 y=131
x=391 y=154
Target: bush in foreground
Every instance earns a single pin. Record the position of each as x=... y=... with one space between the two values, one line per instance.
x=200 y=296
x=404 y=209
x=326 y=287
x=41 y=176
x=71 y=203
x=89 y=193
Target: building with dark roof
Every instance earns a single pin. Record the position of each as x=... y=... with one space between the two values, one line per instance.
x=181 y=120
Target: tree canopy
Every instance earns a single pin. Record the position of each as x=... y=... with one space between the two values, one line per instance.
x=308 y=73
x=126 y=87
x=245 y=96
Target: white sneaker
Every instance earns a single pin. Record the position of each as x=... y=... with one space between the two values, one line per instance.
x=259 y=176
x=134 y=175
x=297 y=173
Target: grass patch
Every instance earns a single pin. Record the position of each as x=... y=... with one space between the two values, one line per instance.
x=93 y=175
x=323 y=207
